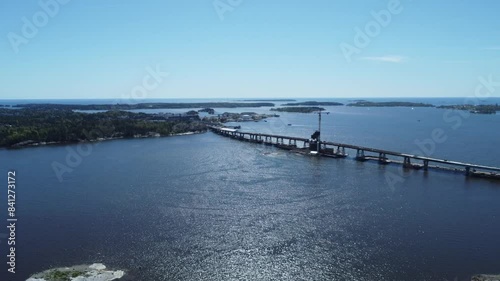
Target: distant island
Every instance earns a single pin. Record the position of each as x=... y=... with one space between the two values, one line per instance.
x=29 y=127
x=207 y=110
x=389 y=104
x=478 y=109
x=302 y=109
x=237 y=117
x=47 y=106
x=314 y=103
x=272 y=100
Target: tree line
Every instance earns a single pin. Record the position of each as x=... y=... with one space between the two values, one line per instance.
x=61 y=126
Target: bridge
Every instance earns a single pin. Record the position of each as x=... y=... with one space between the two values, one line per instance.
x=338 y=150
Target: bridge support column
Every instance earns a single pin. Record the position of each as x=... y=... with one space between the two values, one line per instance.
x=467 y=171
x=341 y=150
x=407 y=162
x=360 y=155
x=426 y=165
x=382 y=158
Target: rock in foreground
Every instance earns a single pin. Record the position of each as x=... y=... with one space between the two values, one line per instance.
x=94 y=272
x=484 y=277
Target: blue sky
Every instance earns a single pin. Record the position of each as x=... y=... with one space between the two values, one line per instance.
x=247 y=48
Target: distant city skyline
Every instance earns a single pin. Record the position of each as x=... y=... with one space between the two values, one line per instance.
x=70 y=49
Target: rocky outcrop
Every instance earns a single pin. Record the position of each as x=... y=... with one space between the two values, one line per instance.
x=484 y=277
x=94 y=272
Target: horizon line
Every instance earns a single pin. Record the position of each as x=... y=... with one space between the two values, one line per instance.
x=280 y=98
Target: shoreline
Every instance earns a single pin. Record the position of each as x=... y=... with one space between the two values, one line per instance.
x=44 y=144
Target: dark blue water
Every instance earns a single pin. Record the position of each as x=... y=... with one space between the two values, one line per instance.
x=204 y=207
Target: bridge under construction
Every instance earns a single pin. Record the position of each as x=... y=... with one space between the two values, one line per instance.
x=314 y=146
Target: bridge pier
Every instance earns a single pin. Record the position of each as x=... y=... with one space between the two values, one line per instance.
x=426 y=165
x=407 y=162
x=341 y=150
x=360 y=155
x=467 y=171
x=382 y=158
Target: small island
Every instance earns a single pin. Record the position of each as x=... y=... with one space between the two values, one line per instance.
x=477 y=109
x=237 y=117
x=389 y=104
x=485 y=277
x=207 y=110
x=302 y=109
x=94 y=272
x=314 y=103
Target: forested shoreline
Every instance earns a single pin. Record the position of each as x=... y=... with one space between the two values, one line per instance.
x=126 y=106
x=24 y=127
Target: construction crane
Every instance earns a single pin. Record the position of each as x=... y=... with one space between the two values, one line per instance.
x=317 y=135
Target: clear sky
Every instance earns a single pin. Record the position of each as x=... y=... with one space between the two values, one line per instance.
x=247 y=48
